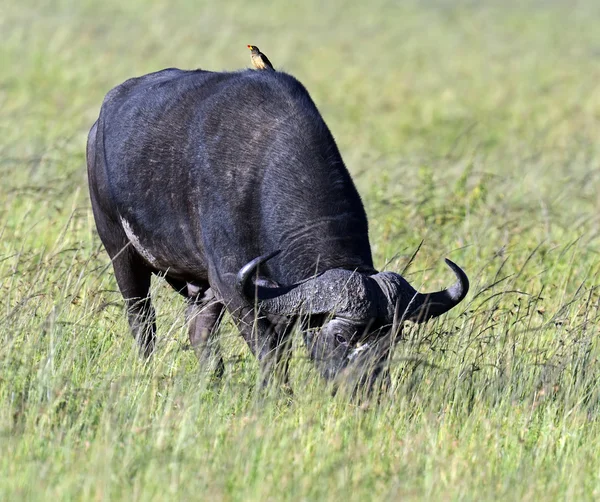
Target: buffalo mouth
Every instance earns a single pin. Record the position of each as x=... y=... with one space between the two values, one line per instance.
x=356 y=364
x=329 y=359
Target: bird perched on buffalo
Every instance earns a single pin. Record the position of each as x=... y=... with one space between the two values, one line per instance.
x=259 y=60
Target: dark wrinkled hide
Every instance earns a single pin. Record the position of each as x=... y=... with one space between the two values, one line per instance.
x=193 y=174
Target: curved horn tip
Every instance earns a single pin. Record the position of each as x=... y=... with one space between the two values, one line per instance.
x=246 y=271
x=460 y=289
x=267 y=257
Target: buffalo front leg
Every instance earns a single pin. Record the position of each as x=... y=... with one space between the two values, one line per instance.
x=269 y=342
x=204 y=313
x=283 y=354
x=262 y=336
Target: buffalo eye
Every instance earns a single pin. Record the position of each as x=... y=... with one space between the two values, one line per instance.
x=340 y=339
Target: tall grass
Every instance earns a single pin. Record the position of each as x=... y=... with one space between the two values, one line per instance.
x=469 y=126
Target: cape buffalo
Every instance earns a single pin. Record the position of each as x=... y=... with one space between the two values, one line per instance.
x=231 y=186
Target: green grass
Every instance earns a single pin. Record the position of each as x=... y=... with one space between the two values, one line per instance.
x=470 y=126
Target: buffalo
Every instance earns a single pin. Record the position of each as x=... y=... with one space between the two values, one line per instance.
x=231 y=186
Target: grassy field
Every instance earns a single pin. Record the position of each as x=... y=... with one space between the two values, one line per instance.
x=470 y=126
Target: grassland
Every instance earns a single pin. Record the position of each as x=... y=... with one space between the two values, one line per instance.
x=470 y=126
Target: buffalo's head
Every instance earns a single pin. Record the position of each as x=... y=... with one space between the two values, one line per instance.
x=350 y=319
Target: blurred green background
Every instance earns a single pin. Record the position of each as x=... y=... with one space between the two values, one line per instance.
x=470 y=126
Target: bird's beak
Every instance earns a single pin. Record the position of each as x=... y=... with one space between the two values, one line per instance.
x=250 y=47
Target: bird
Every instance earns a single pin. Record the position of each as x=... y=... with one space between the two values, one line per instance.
x=259 y=60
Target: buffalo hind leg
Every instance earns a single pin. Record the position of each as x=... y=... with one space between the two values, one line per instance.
x=204 y=313
x=133 y=278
